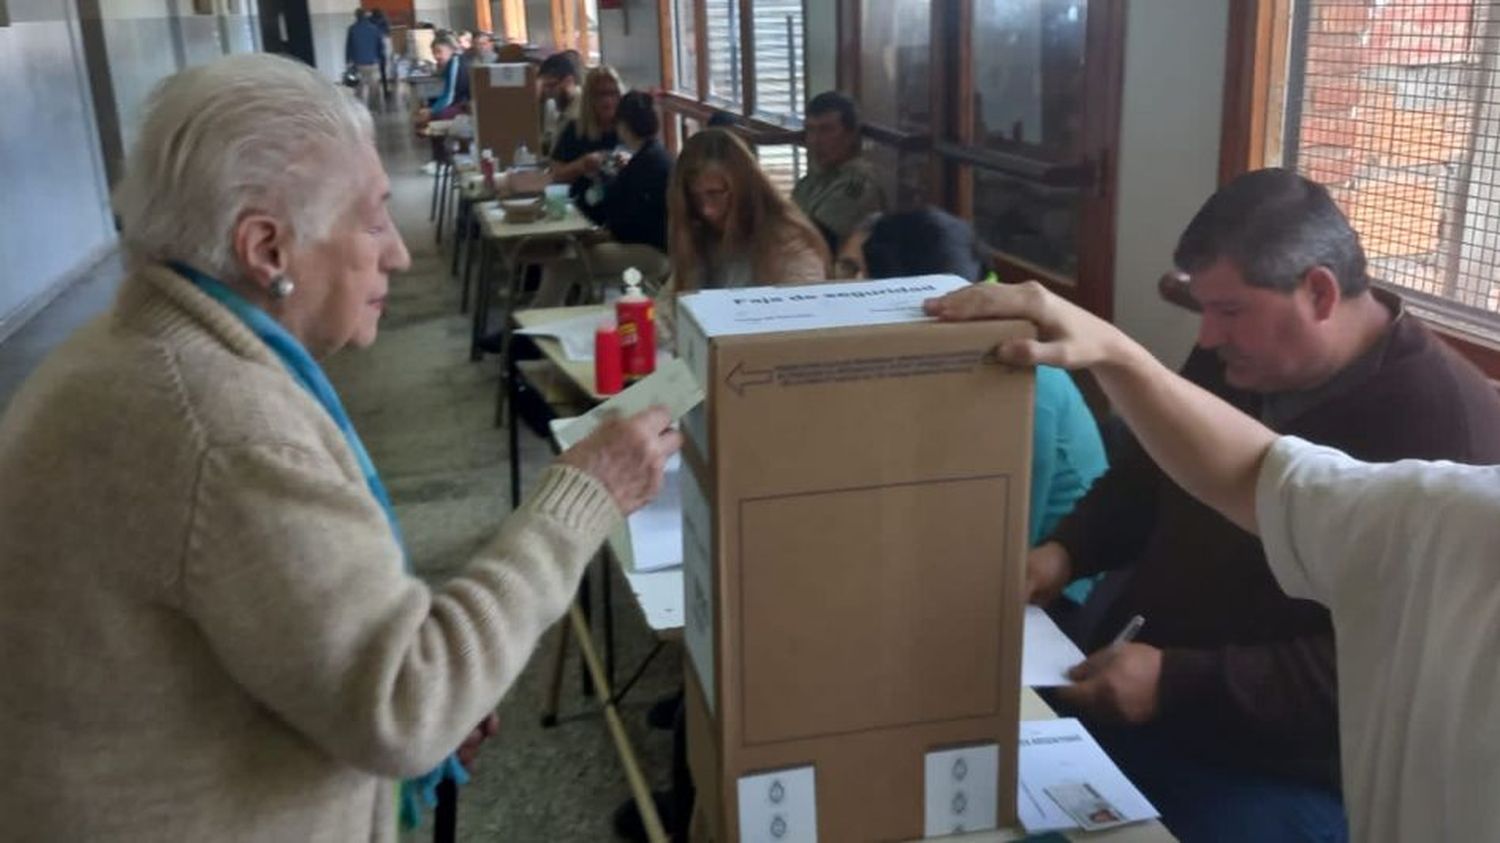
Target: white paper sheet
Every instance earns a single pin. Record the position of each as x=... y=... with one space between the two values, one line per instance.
x=656 y=528
x=759 y=310
x=1046 y=653
x=576 y=334
x=779 y=807
x=1054 y=752
x=671 y=386
x=960 y=788
x=507 y=76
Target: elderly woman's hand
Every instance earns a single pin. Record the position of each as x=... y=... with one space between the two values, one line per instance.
x=628 y=456
x=468 y=751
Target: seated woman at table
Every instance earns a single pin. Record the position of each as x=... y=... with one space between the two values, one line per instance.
x=730 y=227
x=586 y=143
x=209 y=624
x=633 y=204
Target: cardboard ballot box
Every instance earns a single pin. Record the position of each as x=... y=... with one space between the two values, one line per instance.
x=854 y=529
x=506 y=111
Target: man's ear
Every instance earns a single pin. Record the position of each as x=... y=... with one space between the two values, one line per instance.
x=1323 y=291
x=260 y=246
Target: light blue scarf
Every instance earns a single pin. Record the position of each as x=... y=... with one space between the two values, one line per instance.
x=306 y=371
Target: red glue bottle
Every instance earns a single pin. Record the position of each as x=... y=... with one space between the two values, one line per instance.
x=635 y=313
x=609 y=377
x=487 y=167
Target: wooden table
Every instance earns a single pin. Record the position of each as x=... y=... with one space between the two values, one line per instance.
x=510 y=240
x=651 y=590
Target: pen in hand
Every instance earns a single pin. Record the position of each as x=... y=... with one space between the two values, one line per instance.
x=1102 y=659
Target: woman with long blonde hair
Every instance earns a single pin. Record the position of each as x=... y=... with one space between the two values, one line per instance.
x=730 y=227
x=586 y=142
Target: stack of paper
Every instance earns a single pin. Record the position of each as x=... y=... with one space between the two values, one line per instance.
x=1067 y=782
x=1046 y=653
x=576 y=334
x=656 y=528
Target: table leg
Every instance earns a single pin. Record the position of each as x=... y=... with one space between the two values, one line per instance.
x=445 y=815
x=460 y=232
x=469 y=255
x=436 y=179
x=482 y=298
x=607 y=593
x=513 y=434
x=554 y=683
x=585 y=605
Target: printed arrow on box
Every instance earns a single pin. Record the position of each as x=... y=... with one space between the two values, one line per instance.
x=741 y=378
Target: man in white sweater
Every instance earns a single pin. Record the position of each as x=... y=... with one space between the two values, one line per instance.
x=1401 y=554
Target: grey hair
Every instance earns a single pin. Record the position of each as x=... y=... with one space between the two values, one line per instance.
x=246 y=133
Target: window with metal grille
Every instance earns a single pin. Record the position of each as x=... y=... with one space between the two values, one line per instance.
x=1395 y=106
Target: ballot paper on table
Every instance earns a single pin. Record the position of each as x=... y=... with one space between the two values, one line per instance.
x=672 y=386
x=575 y=334
x=1046 y=653
x=1058 y=758
x=656 y=528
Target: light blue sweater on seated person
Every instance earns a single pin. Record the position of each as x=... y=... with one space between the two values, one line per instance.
x=1067 y=455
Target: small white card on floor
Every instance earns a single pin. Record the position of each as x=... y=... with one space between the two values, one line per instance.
x=1062 y=772
x=779 y=807
x=962 y=788
x=671 y=386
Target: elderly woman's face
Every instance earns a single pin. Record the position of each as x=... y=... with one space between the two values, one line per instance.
x=341 y=282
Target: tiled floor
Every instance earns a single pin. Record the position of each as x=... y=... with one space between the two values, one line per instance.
x=425 y=412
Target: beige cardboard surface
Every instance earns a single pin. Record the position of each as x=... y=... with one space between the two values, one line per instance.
x=505 y=115
x=868 y=495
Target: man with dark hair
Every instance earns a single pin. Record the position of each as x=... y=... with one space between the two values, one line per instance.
x=364 y=52
x=1225 y=710
x=557 y=84
x=841 y=188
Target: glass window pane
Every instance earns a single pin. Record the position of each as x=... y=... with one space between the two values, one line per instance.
x=895 y=52
x=723 y=45
x=1029 y=75
x=685 y=40
x=1027 y=220
x=783 y=164
x=779 y=73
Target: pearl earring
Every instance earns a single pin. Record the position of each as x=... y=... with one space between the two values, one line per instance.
x=281 y=288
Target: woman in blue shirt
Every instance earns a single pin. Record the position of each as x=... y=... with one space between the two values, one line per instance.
x=1067 y=451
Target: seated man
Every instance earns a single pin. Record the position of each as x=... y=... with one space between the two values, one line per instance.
x=841 y=189
x=557 y=86
x=1225 y=712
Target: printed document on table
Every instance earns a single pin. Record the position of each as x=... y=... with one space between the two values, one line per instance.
x=1061 y=753
x=1046 y=653
x=672 y=386
x=576 y=334
x=656 y=528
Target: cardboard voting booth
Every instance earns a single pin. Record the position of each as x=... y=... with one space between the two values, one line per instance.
x=854 y=503
x=503 y=98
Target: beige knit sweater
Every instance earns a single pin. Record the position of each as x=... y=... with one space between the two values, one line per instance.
x=205 y=629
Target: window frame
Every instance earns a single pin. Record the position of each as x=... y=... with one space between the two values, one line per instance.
x=1255 y=75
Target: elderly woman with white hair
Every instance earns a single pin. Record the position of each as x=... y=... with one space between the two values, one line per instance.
x=207 y=627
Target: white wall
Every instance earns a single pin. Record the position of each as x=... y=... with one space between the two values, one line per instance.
x=54 y=207
x=636 y=53
x=821 y=20
x=1169 y=156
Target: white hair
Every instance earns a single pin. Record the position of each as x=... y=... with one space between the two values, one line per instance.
x=252 y=132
